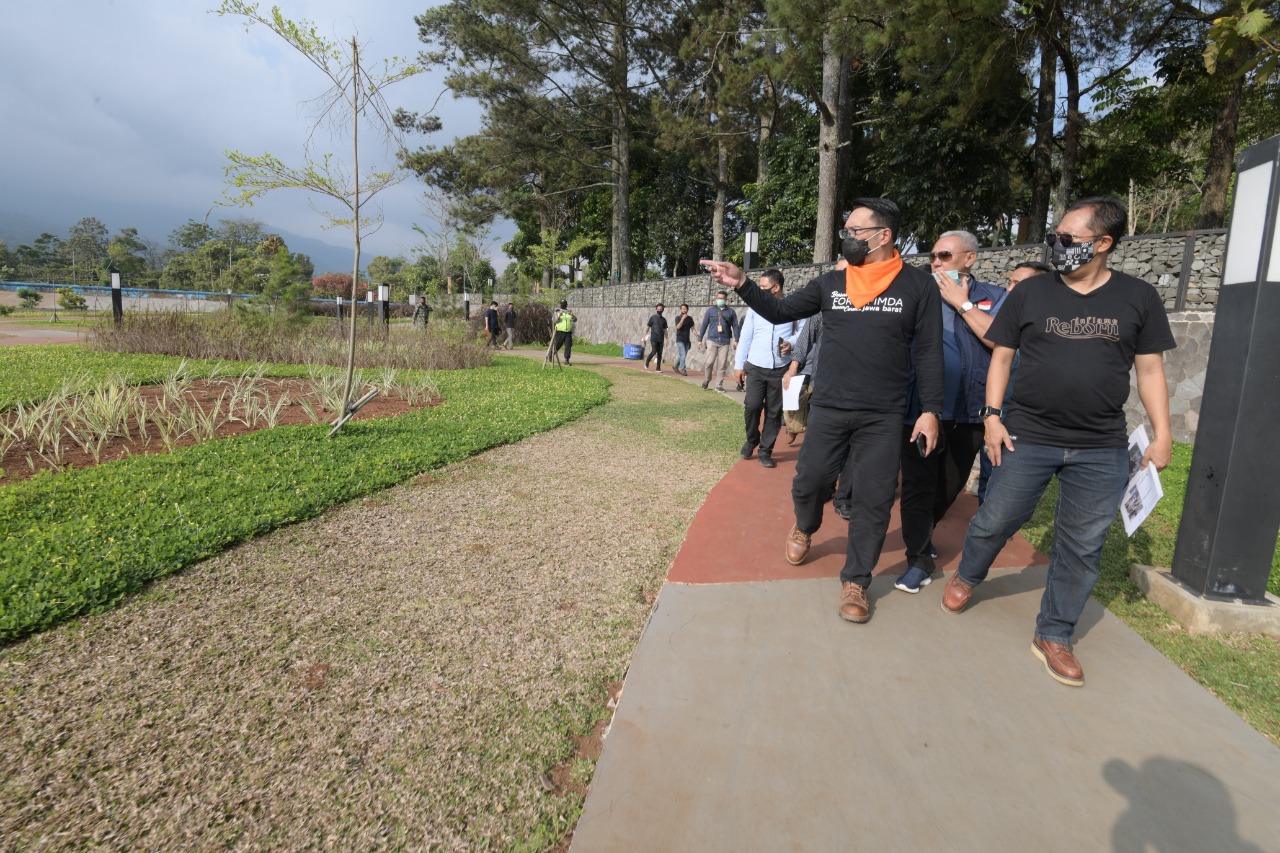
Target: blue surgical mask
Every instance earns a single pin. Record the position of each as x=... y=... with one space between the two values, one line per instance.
x=720 y=303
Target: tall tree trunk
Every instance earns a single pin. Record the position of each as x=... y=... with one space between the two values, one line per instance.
x=768 y=110
x=824 y=232
x=1031 y=229
x=1222 y=150
x=844 y=145
x=1071 y=131
x=722 y=199
x=621 y=159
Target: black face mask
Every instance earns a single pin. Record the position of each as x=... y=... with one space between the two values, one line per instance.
x=854 y=251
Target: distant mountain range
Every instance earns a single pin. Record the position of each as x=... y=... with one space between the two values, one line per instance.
x=17 y=229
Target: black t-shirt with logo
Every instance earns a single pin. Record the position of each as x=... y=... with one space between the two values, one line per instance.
x=867 y=352
x=1075 y=354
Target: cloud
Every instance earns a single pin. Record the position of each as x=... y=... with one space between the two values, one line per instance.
x=123 y=109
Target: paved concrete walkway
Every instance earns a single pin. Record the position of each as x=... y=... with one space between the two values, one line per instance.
x=753 y=718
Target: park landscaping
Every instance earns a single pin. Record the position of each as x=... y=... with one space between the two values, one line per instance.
x=78 y=541
x=426 y=666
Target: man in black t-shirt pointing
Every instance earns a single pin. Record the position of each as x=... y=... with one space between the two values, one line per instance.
x=1077 y=332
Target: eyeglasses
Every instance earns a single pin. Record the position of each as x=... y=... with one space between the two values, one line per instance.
x=943 y=256
x=1067 y=239
x=846 y=233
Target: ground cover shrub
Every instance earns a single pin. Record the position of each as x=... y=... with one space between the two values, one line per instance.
x=251 y=336
x=6 y=310
x=1241 y=670
x=77 y=542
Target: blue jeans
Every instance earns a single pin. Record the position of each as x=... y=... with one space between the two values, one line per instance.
x=682 y=350
x=1090 y=484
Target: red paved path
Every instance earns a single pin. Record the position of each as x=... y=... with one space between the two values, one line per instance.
x=738 y=533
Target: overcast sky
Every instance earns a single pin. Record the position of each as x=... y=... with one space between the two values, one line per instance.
x=122 y=109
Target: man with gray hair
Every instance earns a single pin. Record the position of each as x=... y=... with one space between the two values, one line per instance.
x=930 y=484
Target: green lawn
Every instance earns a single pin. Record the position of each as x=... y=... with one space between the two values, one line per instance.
x=1242 y=670
x=79 y=541
x=583 y=348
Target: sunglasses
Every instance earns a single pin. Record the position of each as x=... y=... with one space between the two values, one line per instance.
x=1066 y=239
x=941 y=256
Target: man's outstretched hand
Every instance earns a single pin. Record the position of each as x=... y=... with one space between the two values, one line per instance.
x=725 y=273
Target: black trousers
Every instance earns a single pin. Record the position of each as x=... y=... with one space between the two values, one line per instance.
x=564 y=339
x=655 y=348
x=931 y=484
x=866 y=444
x=764 y=394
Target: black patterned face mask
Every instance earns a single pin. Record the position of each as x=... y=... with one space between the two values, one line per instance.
x=1070 y=258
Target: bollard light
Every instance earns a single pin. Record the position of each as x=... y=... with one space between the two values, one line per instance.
x=750 y=246
x=384 y=293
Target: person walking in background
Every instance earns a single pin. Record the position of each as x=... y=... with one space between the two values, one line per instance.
x=509 y=321
x=421 y=313
x=762 y=359
x=657 y=328
x=562 y=322
x=716 y=334
x=931 y=484
x=878 y=317
x=684 y=326
x=491 y=325
x=1078 y=334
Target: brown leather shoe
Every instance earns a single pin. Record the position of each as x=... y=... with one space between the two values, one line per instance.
x=853 y=603
x=797 y=546
x=1058 y=659
x=956 y=595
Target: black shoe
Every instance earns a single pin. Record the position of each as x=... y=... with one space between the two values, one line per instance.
x=767 y=461
x=842 y=510
x=748 y=450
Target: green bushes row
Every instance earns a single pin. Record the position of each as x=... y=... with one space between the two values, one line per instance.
x=78 y=542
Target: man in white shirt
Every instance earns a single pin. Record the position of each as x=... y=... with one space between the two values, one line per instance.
x=763 y=356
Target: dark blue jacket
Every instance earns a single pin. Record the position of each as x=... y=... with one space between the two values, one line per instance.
x=975 y=358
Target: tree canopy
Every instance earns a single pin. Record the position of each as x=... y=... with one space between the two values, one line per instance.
x=629 y=141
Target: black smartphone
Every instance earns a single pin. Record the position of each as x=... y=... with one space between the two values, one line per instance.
x=922 y=444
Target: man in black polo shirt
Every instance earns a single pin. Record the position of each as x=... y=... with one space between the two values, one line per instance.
x=872 y=314
x=1077 y=334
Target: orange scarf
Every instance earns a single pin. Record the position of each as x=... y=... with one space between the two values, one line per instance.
x=864 y=283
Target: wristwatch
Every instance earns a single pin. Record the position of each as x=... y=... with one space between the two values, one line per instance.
x=937 y=415
x=987 y=411
x=966 y=307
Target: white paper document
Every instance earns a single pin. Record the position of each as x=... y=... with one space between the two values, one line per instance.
x=791 y=393
x=1143 y=489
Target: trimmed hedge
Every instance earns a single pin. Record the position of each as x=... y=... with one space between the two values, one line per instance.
x=78 y=542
